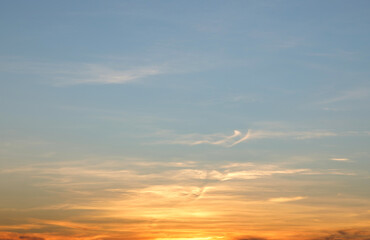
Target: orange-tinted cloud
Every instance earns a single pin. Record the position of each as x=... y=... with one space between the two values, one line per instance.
x=252 y=238
x=18 y=236
x=180 y=201
x=353 y=234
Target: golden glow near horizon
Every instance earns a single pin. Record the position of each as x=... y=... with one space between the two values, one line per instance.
x=182 y=201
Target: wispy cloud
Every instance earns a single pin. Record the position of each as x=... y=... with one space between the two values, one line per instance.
x=177 y=171
x=21 y=226
x=348 y=95
x=192 y=238
x=109 y=69
x=286 y=199
x=218 y=142
x=246 y=136
x=123 y=197
x=211 y=139
x=239 y=137
x=254 y=174
x=347 y=55
x=97 y=74
x=340 y=159
x=262 y=134
x=18 y=236
x=229 y=174
x=347 y=234
x=62 y=74
x=251 y=238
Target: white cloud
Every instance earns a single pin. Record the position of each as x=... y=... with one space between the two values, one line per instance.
x=262 y=134
x=246 y=136
x=239 y=137
x=197 y=139
x=241 y=173
x=340 y=159
x=62 y=74
x=286 y=199
x=259 y=173
x=223 y=140
x=71 y=171
x=98 y=74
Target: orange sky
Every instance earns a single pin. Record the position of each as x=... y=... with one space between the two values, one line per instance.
x=180 y=200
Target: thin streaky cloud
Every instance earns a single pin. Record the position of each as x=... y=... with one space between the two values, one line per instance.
x=66 y=175
x=66 y=224
x=184 y=120
x=218 y=142
x=197 y=139
x=197 y=238
x=238 y=165
x=340 y=159
x=254 y=174
x=246 y=136
x=262 y=134
x=236 y=133
x=348 y=95
x=238 y=137
x=154 y=193
x=286 y=199
x=347 y=55
x=67 y=73
x=97 y=74
x=225 y=175
x=21 y=226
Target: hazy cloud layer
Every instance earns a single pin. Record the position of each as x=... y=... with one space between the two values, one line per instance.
x=140 y=194
x=352 y=234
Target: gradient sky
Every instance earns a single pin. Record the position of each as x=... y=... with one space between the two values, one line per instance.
x=184 y=120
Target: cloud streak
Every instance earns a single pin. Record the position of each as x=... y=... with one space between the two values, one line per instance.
x=238 y=137
x=348 y=95
x=100 y=74
x=222 y=141
x=65 y=74
x=96 y=74
x=340 y=159
x=210 y=139
x=286 y=199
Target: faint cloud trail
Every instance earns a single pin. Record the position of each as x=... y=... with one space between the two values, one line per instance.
x=219 y=142
x=238 y=137
x=340 y=159
x=241 y=140
x=286 y=199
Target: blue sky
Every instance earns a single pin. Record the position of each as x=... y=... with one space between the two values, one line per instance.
x=202 y=83
x=191 y=67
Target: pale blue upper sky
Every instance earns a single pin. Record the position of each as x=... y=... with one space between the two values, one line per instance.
x=152 y=79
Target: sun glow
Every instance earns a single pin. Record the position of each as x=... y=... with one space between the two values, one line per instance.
x=197 y=238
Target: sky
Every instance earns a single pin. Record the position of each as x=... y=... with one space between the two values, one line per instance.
x=184 y=120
